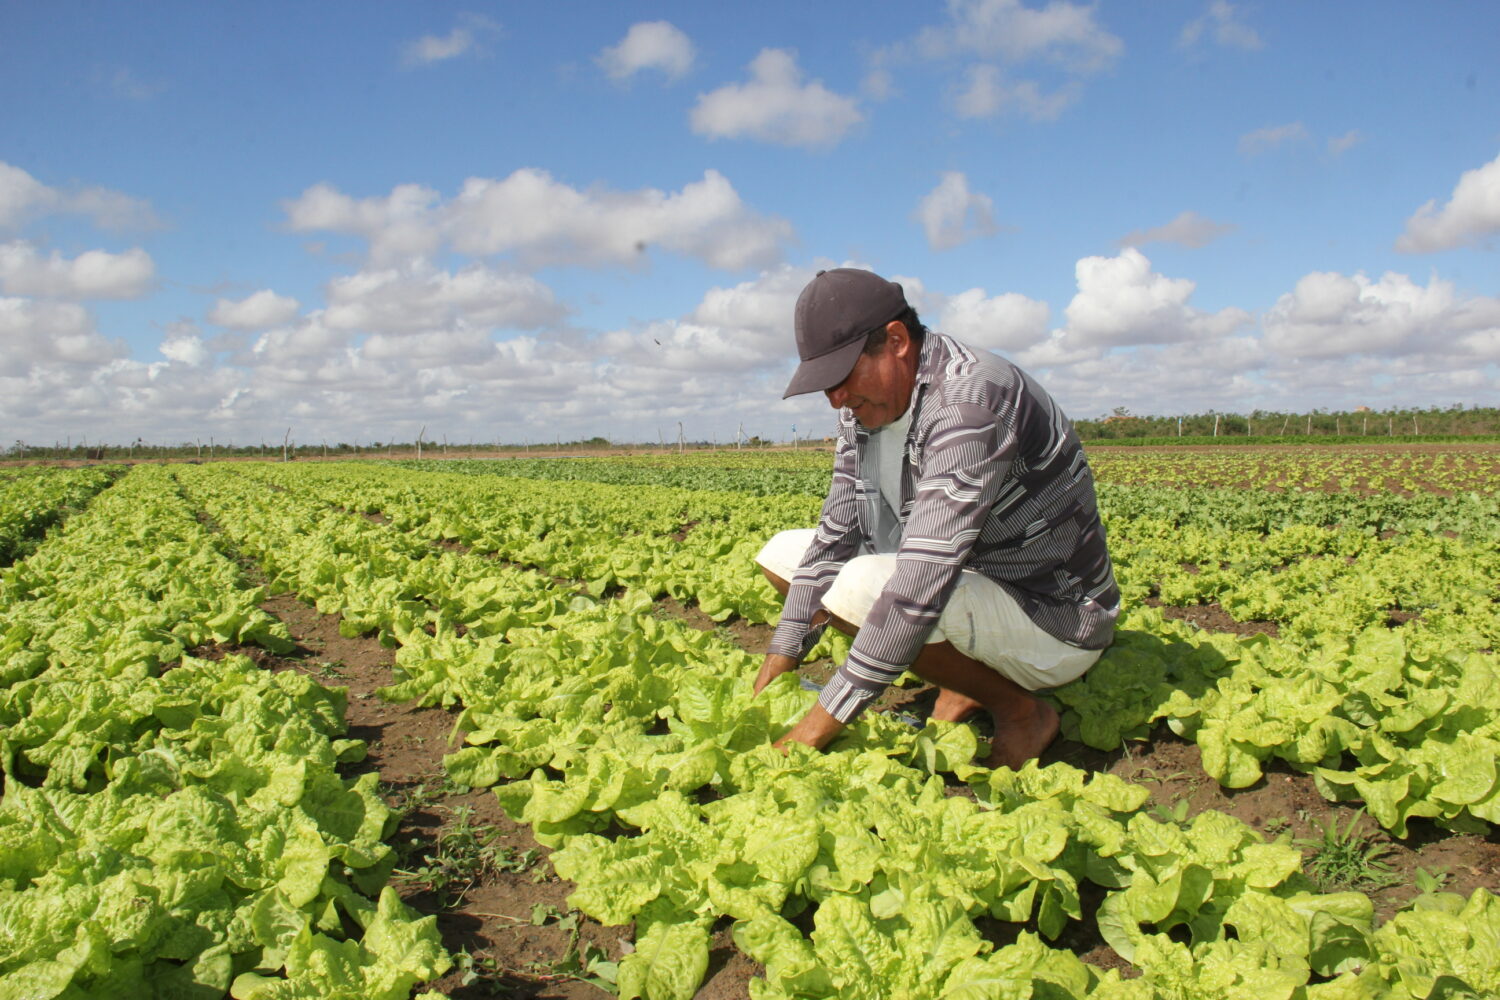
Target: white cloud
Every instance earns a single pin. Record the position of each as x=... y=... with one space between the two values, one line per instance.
x=952 y=215
x=542 y=222
x=419 y=298
x=1006 y=322
x=431 y=348
x=24 y=198
x=985 y=43
x=1263 y=140
x=1062 y=33
x=776 y=106
x=1330 y=315
x=254 y=312
x=737 y=329
x=760 y=308
x=1183 y=378
x=649 y=45
x=21 y=195
x=308 y=345
x=402 y=224
x=986 y=93
x=184 y=344
x=1221 y=22
x=1121 y=302
x=1471 y=215
x=1340 y=144
x=465 y=38
x=1188 y=229
x=546 y=222
x=40 y=332
x=95 y=274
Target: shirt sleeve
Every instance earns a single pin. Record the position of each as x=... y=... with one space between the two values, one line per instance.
x=835 y=542
x=965 y=461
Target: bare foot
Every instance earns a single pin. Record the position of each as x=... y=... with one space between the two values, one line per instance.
x=953 y=707
x=1022 y=734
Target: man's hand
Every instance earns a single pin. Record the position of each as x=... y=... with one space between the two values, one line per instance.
x=817 y=729
x=774 y=666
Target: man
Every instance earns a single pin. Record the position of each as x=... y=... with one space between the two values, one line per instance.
x=960 y=538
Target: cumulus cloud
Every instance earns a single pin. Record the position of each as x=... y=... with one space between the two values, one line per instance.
x=1329 y=315
x=1006 y=322
x=1121 y=302
x=952 y=215
x=1183 y=378
x=542 y=221
x=1471 y=215
x=1010 y=59
x=254 y=312
x=431 y=348
x=1220 y=23
x=419 y=298
x=401 y=224
x=24 y=198
x=465 y=38
x=733 y=329
x=303 y=348
x=1063 y=33
x=776 y=106
x=95 y=274
x=1263 y=140
x=41 y=332
x=399 y=347
x=985 y=93
x=1189 y=229
x=183 y=343
x=655 y=45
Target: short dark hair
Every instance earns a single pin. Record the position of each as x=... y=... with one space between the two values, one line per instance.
x=907 y=318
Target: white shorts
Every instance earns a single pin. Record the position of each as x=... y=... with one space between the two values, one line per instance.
x=981 y=620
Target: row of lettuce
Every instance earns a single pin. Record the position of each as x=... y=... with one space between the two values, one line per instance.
x=1405 y=719
x=34 y=499
x=1337 y=470
x=632 y=746
x=173 y=825
x=592 y=717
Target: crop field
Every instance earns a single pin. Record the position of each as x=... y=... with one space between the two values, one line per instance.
x=485 y=729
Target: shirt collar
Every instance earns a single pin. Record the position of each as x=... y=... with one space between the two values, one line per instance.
x=928 y=363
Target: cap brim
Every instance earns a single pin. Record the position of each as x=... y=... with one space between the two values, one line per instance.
x=824 y=372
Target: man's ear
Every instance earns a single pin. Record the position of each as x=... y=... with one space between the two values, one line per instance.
x=897 y=338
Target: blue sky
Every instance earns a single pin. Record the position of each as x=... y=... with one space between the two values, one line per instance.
x=515 y=221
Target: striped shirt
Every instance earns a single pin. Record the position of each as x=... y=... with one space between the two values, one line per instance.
x=994 y=480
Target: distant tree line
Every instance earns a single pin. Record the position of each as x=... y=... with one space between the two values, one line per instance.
x=211 y=449
x=1258 y=426
x=1455 y=421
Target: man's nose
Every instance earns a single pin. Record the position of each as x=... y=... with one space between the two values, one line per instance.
x=836 y=396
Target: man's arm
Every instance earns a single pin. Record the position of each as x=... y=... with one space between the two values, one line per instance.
x=817 y=729
x=774 y=666
x=834 y=543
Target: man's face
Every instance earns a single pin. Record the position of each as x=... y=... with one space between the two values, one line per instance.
x=879 y=387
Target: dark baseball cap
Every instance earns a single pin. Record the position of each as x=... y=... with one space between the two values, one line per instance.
x=836 y=313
